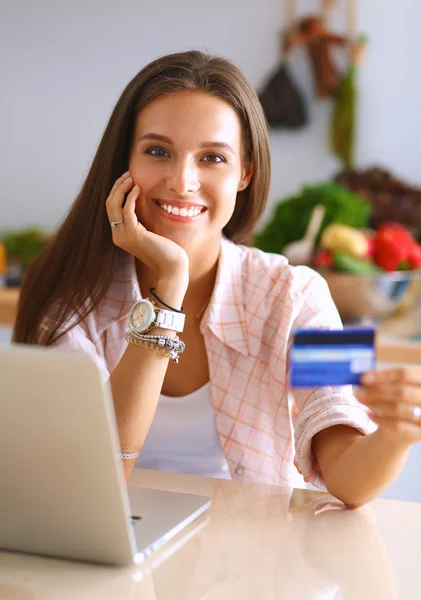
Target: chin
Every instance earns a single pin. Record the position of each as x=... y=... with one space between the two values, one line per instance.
x=180 y=237
x=184 y=239
x=188 y=237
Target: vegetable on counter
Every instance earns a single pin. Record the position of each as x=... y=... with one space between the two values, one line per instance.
x=345 y=242
x=347 y=250
x=341 y=238
x=24 y=244
x=323 y=260
x=395 y=248
x=291 y=216
x=345 y=263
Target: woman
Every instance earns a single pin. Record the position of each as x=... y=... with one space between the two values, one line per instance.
x=178 y=182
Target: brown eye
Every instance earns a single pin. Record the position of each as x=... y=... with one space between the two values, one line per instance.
x=156 y=151
x=214 y=158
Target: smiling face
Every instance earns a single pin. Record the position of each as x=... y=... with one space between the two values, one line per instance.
x=188 y=159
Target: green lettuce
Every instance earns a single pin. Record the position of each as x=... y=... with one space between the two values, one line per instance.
x=291 y=216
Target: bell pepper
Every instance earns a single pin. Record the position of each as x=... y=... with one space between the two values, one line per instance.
x=395 y=248
x=323 y=260
x=414 y=256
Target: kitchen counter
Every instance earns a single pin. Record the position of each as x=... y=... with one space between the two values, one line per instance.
x=259 y=542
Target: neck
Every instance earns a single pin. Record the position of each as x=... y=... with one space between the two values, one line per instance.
x=203 y=265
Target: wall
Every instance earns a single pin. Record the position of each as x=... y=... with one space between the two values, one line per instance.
x=68 y=62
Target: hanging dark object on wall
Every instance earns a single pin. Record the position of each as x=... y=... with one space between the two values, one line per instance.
x=282 y=101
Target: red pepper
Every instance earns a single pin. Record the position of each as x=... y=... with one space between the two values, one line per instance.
x=392 y=226
x=370 y=247
x=414 y=256
x=323 y=260
x=393 y=244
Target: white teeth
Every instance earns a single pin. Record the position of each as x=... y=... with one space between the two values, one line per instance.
x=193 y=211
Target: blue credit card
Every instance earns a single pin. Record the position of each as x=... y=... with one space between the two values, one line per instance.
x=320 y=357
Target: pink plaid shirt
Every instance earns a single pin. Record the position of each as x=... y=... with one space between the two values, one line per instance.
x=257 y=301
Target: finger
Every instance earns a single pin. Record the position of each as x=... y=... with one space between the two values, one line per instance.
x=410 y=394
x=129 y=214
x=115 y=201
x=398 y=411
x=410 y=374
x=119 y=181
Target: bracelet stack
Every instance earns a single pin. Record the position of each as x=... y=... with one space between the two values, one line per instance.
x=167 y=346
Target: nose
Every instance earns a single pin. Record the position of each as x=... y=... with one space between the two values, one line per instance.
x=183 y=177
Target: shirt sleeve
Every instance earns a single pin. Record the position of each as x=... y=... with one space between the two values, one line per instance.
x=318 y=409
x=79 y=339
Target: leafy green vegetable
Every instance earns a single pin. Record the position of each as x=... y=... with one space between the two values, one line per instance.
x=24 y=244
x=291 y=216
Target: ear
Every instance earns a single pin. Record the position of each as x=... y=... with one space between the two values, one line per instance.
x=246 y=176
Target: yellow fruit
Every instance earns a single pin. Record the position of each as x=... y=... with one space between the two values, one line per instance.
x=342 y=238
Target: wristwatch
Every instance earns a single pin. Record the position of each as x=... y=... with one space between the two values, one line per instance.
x=145 y=315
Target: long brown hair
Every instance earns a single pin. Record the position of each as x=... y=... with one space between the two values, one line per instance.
x=70 y=276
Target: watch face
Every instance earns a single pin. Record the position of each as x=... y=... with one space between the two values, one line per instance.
x=142 y=315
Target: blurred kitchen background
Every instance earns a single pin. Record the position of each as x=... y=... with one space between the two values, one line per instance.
x=65 y=64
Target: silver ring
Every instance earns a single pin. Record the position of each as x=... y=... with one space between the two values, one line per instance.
x=416 y=413
x=115 y=223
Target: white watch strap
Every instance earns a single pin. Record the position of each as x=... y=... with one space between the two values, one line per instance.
x=167 y=319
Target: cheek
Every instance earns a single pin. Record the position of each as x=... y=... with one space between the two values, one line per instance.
x=226 y=188
x=140 y=175
x=146 y=178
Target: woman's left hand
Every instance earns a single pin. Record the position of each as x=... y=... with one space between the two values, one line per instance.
x=394 y=399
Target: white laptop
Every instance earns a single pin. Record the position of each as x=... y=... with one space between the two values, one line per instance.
x=62 y=489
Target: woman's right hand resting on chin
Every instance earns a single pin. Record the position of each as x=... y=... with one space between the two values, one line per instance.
x=164 y=257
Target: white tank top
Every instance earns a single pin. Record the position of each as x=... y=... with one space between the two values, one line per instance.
x=183 y=437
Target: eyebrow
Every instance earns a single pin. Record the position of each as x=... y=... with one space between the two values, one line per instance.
x=167 y=140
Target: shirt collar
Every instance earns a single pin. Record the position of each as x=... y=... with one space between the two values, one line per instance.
x=224 y=316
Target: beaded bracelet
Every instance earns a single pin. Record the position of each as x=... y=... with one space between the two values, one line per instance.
x=164 y=345
x=129 y=455
x=164 y=341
